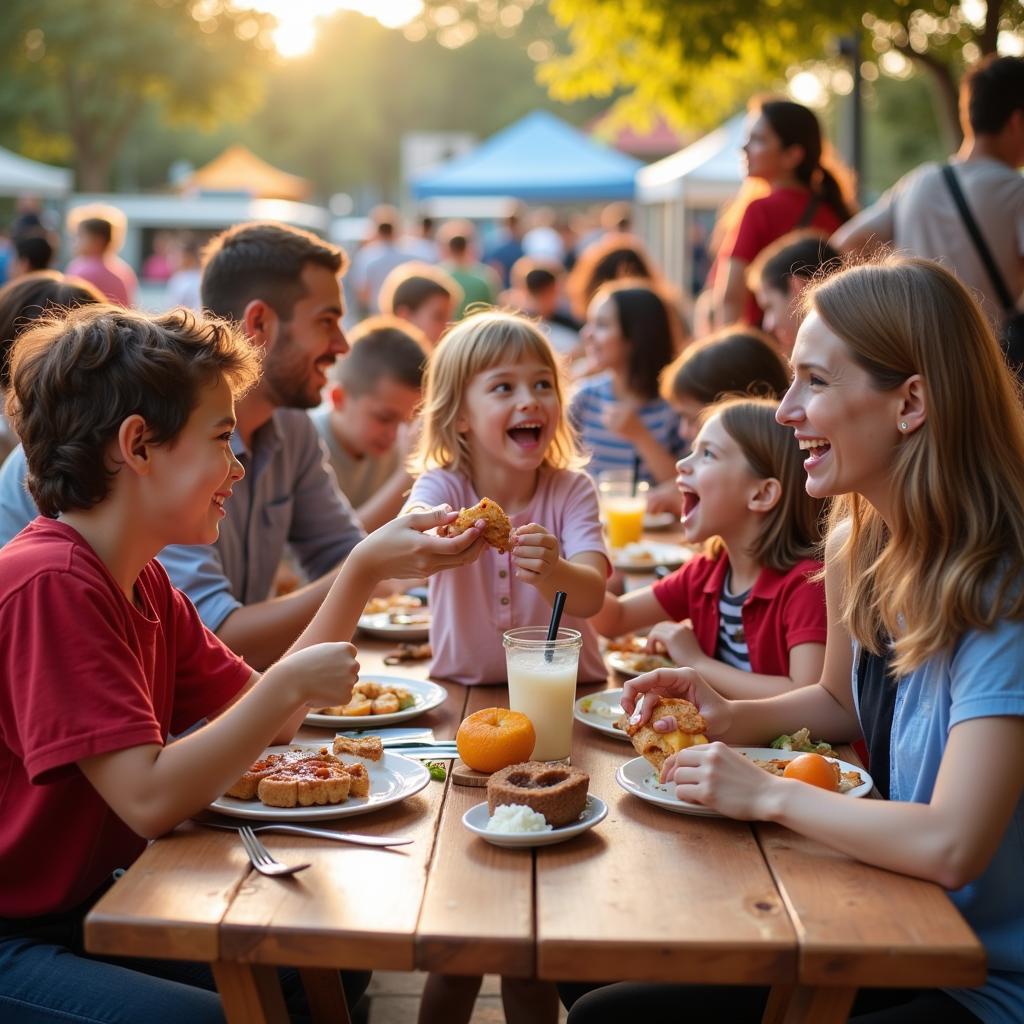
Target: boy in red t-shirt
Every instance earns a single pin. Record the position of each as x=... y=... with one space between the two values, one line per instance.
x=126 y=422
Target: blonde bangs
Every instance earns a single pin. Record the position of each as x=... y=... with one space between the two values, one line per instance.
x=951 y=558
x=472 y=346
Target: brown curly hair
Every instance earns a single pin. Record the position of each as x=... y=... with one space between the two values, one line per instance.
x=75 y=378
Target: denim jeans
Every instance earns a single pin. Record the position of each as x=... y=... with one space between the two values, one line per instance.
x=46 y=976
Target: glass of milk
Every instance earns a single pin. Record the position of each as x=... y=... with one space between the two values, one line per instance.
x=542 y=685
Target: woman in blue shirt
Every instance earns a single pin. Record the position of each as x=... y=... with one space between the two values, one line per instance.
x=912 y=422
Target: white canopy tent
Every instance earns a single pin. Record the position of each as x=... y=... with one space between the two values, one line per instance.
x=21 y=176
x=669 y=193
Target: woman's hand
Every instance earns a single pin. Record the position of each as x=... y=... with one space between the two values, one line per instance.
x=679 y=641
x=715 y=776
x=535 y=553
x=407 y=548
x=676 y=682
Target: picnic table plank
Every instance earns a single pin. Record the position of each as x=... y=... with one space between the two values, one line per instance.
x=158 y=908
x=352 y=908
x=477 y=914
x=654 y=896
x=859 y=925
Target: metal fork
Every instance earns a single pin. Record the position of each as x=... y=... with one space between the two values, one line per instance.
x=260 y=856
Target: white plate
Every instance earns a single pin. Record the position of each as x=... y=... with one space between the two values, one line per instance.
x=595 y=719
x=639 y=778
x=621 y=662
x=392 y=779
x=379 y=624
x=659 y=520
x=670 y=555
x=475 y=819
x=428 y=696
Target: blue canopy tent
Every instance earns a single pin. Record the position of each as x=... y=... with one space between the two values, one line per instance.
x=537 y=159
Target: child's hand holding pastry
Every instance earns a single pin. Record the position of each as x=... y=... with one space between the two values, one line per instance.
x=535 y=553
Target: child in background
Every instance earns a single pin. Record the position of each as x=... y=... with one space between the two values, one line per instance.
x=619 y=415
x=757 y=621
x=424 y=295
x=735 y=361
x=781 y=272
x=493 y=426
x=537 y=291
x=97 y=239
x=126 y=423
x=373 y=394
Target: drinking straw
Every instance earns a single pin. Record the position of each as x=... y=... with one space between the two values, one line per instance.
x=556 y=617
x=636 y=476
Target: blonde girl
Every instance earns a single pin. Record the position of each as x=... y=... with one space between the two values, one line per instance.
x=909 y=417
x=755 y=613
x=494 y=427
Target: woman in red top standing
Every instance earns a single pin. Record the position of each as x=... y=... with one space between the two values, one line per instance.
x=785 y=152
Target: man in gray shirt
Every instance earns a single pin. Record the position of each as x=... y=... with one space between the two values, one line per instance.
x=918 y=215
x=282 y=286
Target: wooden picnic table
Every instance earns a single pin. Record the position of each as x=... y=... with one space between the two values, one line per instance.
x=648 y=895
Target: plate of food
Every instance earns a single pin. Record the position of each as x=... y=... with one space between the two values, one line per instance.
x=640 y=776
x=535 y=804
x=659 y=520
x=646 y=556
x=478 y=818
x=379 y=701
x=603 y=712
x=636 y=663
x=396 y=617
x=304 y=783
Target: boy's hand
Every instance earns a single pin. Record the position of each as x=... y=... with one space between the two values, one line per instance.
x=324 y=674
x=535 y=553
x=404 y=549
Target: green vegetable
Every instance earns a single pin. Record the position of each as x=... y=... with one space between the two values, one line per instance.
x=437 y=770
x=802 y=743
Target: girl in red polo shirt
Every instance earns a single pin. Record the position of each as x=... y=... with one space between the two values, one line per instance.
x=755 y=613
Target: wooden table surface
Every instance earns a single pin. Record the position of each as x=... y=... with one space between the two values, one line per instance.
x=648 y=895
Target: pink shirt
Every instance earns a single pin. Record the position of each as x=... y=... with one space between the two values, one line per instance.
x=473 y=605
x=112 y=276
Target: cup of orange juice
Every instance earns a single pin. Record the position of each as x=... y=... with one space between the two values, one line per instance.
x=622 y=507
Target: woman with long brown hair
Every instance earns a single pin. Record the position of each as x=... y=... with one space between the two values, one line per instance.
x=912 y=423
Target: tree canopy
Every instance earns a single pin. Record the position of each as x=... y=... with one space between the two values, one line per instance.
x=80 y=74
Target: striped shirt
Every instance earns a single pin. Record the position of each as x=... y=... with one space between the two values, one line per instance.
x=608 y=450
x=732 y=642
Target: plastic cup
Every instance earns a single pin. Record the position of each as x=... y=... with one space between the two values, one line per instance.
x=621 y=509
x=542 y=685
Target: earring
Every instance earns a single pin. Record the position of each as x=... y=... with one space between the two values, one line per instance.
x=903 y=424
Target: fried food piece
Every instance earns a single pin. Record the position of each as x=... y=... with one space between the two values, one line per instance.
x=657 y=746
x=359 y=780
x=245 y=788
x=408 y=652
x=368 y=688
x=374 y=691
x=497 y=532
x=628 y=643
x=391 y=603
x=385 y=704
x=370 y=747
x=305 y=783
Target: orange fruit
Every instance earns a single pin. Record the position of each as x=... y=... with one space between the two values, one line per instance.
x=494 y=738
x=814 y=769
